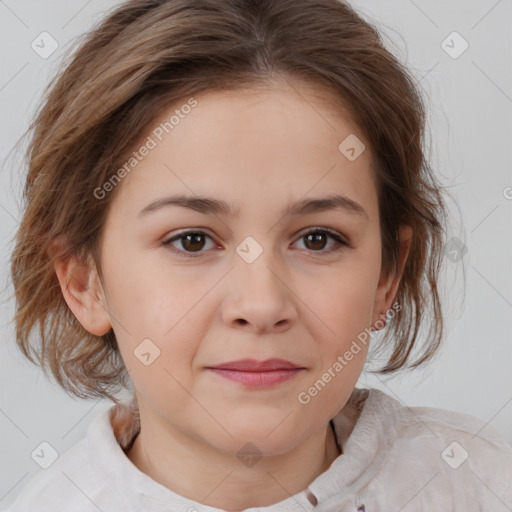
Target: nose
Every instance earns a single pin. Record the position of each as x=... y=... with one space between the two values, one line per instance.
x=260 y=297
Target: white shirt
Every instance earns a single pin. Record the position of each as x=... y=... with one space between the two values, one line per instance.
x=396 y=459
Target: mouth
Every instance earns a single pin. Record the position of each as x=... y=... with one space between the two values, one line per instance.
x=252 y=365
x=253 y=373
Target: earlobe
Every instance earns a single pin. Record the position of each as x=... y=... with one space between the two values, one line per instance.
x=388 y=283
x=83 y=292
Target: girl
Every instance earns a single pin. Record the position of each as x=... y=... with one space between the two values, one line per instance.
x=285 y=137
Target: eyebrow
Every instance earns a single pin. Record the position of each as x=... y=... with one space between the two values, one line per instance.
x=208 y=205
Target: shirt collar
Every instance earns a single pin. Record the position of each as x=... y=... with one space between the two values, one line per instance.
x=364 y=448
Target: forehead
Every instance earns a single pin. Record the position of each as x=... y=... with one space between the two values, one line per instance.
x=274 y=144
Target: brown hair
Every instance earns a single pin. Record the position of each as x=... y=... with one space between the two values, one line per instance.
x=149 y=54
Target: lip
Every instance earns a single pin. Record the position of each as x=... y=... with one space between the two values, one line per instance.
x=253 y=365
x=258 y=379
x=257 y=374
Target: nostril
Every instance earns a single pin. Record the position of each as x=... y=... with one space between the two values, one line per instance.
x=361 y=508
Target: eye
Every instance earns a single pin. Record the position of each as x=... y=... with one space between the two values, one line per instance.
x=316 y=237
x=193 y=241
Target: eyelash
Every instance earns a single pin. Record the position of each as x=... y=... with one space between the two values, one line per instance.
x=341 y=244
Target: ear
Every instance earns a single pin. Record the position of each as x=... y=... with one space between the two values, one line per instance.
x=388 y=282
x=82 y=289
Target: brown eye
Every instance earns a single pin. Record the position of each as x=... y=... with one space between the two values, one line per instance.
x=316 y=240
x=192 y=243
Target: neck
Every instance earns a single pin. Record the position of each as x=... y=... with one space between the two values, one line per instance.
x=219 y=479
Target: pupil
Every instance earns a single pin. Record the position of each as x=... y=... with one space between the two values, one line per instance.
x=192 y=238
x=316 y=238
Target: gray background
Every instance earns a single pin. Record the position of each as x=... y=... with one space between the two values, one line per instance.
x=470 y=103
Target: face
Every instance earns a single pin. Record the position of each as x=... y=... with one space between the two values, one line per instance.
x=205 y=286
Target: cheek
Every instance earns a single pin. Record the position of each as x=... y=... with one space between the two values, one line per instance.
x=342 y=353
x=157 y=322
x=161 y=365
x=330 y=386
x=344 y=304
x=344 y=300
x=149 y=296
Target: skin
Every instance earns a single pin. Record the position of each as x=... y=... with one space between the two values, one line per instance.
x=258 y=150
